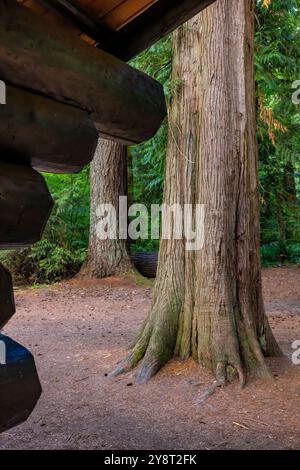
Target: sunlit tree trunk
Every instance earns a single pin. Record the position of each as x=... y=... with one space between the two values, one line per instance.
x=108 y=182
x=208 y=303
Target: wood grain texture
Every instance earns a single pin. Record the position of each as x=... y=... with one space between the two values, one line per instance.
x=25 y=205
x=7 y=302
x=45 y=134
x=42 y=56
x=156 y=22
x=122 y=27
x=208 y=303
x=109 y=256
x=20 y=387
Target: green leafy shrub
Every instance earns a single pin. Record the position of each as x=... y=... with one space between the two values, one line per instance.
x=293 y=252
x=53 y=262
x=147 y=246
x=269 y=253
x=280 y=252
x=45 y=262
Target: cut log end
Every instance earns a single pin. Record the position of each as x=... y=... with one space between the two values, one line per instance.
x=7 y=302
x=20 y=387
x=25 y=206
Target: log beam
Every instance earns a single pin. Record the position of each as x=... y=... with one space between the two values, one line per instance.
x=48 y=135
x=25 y=206
x=156 y=22
x=42 y=56
x=7 y=302
x=20 y=387
x=163 y=17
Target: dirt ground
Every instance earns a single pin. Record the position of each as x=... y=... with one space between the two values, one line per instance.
x=78 y=331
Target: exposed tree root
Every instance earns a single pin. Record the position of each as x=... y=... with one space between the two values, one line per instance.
x=153 y=349
x=208 y=392
x=138 y=351
x=221 y=374
x=221 y=380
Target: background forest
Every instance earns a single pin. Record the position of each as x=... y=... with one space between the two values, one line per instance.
x=63 y=248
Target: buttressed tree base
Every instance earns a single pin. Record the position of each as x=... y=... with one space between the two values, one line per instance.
x=208 y=303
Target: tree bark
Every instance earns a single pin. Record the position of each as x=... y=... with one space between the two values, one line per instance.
x=208 y=303
x=108 y=182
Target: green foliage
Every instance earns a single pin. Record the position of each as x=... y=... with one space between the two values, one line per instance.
x=53 y=262
x=278 y=253
x=69 y=223
x=277 y=67
x=147 y=246
x=148 y=159
x=64 y=246
x=45 y=262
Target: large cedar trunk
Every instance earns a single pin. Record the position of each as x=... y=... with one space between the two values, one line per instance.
x=208 y=303
x=108 y=182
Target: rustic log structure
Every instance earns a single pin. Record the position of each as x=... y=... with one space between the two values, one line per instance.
x=25 y=206
x=20 y=387
x=62 y=92
x=45 y=57
x=7 y=302
x=124 y=28
x=45 y=134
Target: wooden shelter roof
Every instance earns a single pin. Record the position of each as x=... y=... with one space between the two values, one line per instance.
x=121 y=27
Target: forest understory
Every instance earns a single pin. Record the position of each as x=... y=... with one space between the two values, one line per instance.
x=79 y=330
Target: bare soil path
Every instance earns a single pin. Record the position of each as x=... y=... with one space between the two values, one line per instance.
x=78 y=332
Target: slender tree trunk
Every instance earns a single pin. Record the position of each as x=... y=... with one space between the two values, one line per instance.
x=286 y=204
x=291 y=199
x=281 y=218
x=108 y=182
x=208 y=303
